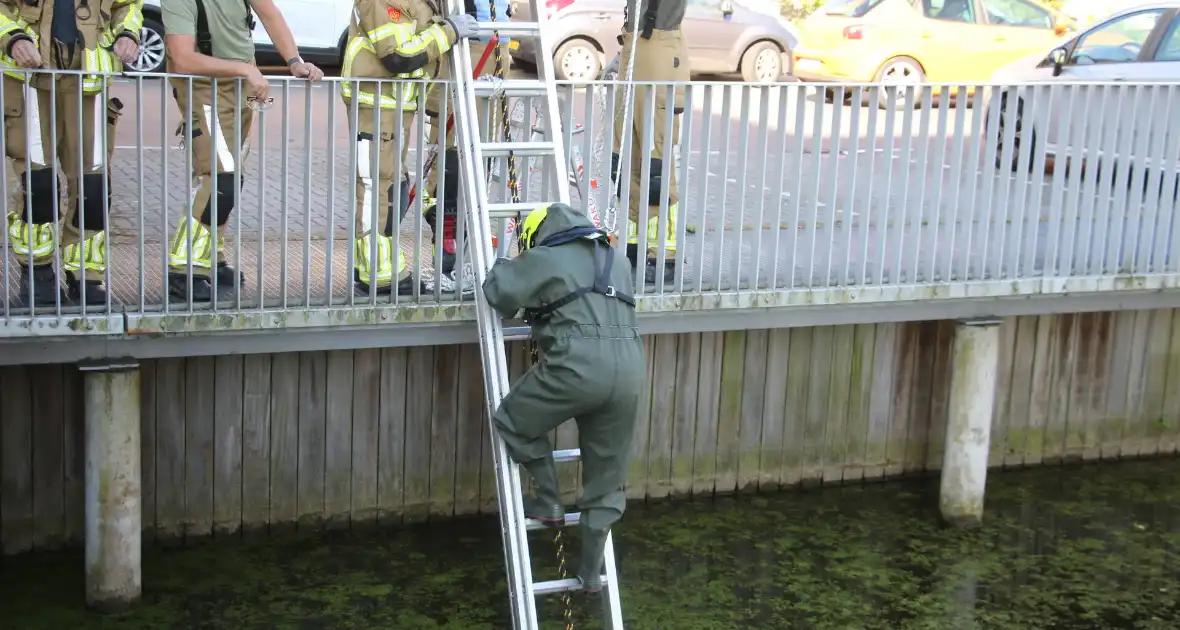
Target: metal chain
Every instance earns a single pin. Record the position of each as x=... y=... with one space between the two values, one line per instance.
x=566 y=599
x=513 y=185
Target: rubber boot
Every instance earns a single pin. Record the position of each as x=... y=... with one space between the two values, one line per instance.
x=668 y=276
x=590 y=569
x=633 y=254
x=405 y=286
x=96 y=293
x=179 y=289
x=546 y=505
x=45 y=289
x=226 y=276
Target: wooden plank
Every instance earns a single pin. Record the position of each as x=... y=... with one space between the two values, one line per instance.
x=1111 y=435
x=1080 y=383
x=443 y=427
x=1099 y=328
x=921 y=396
x=200 y=393
x=795 y=413
x=170 y=421
x=1043 y=381
x=338 y=441
x=48 y=456
x=753 y=397
x=999 y=429
x=905 y=356
x=284 y=445
x=729 y=418
x=814 y=432
x=472 y=419
x=774 y=410
x=1159 y=341
x=860 y=391
x=839 y=390
x=256 y=451
x=227 y=453
x=940 y=392
x=637 y=471
x=16 y=460
x=419 y=385
x=75 y=465
x=313 y=417
x=881 y=399
x=1020 y=407
x=704 y=460
x=391 y=454
x=1064 y=358
x=663 y=391
x=1134 y=425
x=1170 y=441
x=366 y=434
x=73 y=400
x=684 y=423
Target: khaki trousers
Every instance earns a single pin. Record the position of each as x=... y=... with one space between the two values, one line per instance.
x=388 y=144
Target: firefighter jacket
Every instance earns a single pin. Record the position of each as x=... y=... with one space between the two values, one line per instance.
x=393 y=39
x=100 y=22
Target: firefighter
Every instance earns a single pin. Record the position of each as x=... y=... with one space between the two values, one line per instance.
x=582 y=316
x=661 y=54
x=390 y=39
x=481 y=11
x=63 y=35
x=212 y=38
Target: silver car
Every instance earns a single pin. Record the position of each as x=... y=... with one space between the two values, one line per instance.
x=723 y=36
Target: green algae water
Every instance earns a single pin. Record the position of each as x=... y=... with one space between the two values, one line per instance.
x=1062 y=547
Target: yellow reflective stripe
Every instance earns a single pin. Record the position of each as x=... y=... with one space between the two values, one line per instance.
x=364 y=266
x=201 y=246
x=391 y=29
x=96 y=254
x=409 y=92
x=439 y=36
x=5 y=60
x=100 y=63
x=653 y=226
x=26 y=239
x=134 y=20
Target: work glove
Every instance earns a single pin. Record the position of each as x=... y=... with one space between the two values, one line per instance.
x=611 y=68
x=464 y=25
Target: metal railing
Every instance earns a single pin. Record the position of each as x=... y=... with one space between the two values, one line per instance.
x=788 y=194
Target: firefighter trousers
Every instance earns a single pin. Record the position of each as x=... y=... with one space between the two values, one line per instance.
x=663 y=57
x=34 y=120
x=391 y=192
x=219 y=136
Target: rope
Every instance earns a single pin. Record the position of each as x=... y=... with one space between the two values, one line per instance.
x=498 y=95
x=628 y=100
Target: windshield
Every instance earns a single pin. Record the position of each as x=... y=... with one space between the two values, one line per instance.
x=850 y=8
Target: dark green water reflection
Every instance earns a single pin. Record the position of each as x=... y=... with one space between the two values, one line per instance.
x=1092 y=547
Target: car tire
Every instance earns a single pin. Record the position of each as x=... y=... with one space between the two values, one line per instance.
x=762 y=63
x=577 y=60
x=151 y=48
x=900 y=72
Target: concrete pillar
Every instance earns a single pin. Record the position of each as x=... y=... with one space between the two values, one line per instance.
x=968 y=432
x=113 y=486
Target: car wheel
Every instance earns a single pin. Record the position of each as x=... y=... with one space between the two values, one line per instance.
x=1014 y=117
x=577 y=60
x=895 y=75
x=151 y=48
x=762 y=63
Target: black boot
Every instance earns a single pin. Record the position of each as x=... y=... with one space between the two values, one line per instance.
x=633 y=254
x=546 y=505
x=405 y=286
x=45 y=290
x=226 y=276
x=179 y=288
x=590 y=569
x=96 y=293
x=652 y=276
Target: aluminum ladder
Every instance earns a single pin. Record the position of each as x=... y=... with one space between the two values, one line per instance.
x=473 y=151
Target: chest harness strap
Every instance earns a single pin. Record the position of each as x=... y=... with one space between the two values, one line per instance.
x=602 y=268
x=205 y=38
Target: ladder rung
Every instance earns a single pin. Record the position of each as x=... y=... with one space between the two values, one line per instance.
x=501 y=149
x=511 y=87
x=517 y=333
x=510 y=28
x=509 y=210
x=559 y=586
x=567 y=455
x=573 y=518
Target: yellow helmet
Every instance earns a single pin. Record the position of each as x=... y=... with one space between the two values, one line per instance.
x=528 y=230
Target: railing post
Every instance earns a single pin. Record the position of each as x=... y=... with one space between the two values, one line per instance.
x=968 y=433
x=113 y=486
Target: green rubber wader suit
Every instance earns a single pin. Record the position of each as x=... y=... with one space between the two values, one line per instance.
x=591 y=369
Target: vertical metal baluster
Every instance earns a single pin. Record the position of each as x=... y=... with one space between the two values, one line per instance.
x=382 y=196
x=643 y=204
x=994 y=171
x=165 y=228
x=1122 y=177
x=924 y=173
x=260 y=122
x=664 y=215
x=51 y=154
x=703 y=198
x=1009 y=155
x=886 y=236
x=1161 y=259
x=5 y=244
x=801 y=101
x=308 y=148
x=54 y=165
x=961 y=113
x=188 y=168
x=742 y=186
x=1042 y=101
x=685 y=144
x=722 y=207
x=330 y=242
x=978 y=128
x=103 y=132
x=854 y=158
x=833 y=192
x=777 y=195
x=873 y=112
x=817 y=146
x=240 y=156
x=1090 y=171
x=142 y=306
x=1053 y=267
x=284 y=167
x=440 y=172
x=939 y=169
x=215 y=133
x=354 y=157
x=1071 y=161
x=763 y=121
x=1158 y=133
x=374 y=201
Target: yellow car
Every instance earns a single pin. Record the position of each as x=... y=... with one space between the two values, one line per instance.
x=915 y=41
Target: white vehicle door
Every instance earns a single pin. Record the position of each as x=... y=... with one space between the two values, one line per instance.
x=313 y=23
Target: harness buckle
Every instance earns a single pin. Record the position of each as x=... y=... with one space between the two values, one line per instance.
x=610 y=291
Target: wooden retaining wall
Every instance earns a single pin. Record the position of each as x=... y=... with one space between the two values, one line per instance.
x=332 y=438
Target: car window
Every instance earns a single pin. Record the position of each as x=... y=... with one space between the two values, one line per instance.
x=1169 y=49
x=1017 y=13
x=1118 y=41
x=949 y=10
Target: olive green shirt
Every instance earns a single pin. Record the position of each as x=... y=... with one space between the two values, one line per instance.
x=230 y=35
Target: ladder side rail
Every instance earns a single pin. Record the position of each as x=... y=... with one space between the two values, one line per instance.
x=495 y=364
x=552 y=124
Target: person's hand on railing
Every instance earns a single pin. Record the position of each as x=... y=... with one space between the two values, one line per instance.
x=126 y=49
x=24 y=52
x=256 y=84
x=305 y=70
x=464 y=25
x=611 y=68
